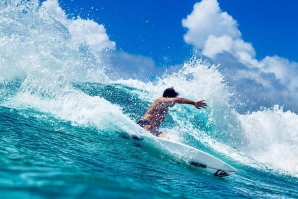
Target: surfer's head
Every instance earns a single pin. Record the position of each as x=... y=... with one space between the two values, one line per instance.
x=170 y=92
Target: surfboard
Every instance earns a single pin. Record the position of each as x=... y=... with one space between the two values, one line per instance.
x=191 y=155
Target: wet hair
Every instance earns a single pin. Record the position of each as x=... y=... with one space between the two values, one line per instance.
x=170 y=92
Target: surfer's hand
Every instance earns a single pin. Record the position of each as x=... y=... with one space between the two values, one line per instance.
x=200 y=104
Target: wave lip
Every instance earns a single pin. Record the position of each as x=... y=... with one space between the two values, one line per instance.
x=43 y=56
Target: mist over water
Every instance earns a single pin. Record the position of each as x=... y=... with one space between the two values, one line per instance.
x=45 y=69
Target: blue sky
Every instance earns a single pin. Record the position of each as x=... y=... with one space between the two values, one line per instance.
x=154 y=28
x=255 y=42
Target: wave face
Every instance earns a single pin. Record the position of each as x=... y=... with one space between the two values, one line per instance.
x=64 y=123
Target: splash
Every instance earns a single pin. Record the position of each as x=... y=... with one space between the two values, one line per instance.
x=43 y=53
x=271 y=138
x=263 y=139
x=36 y=40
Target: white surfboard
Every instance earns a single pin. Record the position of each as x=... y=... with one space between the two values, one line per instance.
x=191 y=155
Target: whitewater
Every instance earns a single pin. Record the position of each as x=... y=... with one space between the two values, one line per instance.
x=66 y=121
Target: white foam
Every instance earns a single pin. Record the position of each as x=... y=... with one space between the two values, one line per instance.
x=264 y=139
x=271 y=137
x=41 y=51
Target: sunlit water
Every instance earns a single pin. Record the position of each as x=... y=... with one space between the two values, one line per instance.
x=64 y=124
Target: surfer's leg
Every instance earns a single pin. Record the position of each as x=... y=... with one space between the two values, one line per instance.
x=145 y=124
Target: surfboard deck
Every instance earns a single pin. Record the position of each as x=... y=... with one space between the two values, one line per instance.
x=191 y=155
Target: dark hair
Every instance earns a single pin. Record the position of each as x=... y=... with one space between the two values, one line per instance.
x=170 y=92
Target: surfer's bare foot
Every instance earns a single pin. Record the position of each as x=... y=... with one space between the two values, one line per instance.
x=162 y=135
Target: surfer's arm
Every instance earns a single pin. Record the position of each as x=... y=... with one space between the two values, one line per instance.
x=197 y=104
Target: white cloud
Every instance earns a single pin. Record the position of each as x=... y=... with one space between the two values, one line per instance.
x=214 y=45
x=81 y=30
x=284 y=70
x=92 y=33
x=214 y=32
x=206 y=19
x=118 y=64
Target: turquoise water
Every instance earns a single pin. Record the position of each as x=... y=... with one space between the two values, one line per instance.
x=65 y=125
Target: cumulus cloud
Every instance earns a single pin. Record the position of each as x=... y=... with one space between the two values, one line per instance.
x=207 y=19
x=282 y=68
x=214 y=45
x=214 y=33
x=92 y=33
x=118 y=64
x=81 y=30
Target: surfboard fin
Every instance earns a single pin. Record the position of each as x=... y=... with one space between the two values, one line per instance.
x=221 y=173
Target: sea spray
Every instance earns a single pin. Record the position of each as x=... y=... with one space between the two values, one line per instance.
x=64 y=121
x=197 y=80
x=36 y=41
x=266 y=138
x=42 y=58
x=271 y=138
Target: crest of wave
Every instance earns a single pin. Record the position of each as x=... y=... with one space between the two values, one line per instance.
x=271 y=137
x=267 y=136
x=196 y=80
x=43 y=54
x=33 y=40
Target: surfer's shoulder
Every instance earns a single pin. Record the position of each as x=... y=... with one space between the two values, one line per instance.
x=166 y=101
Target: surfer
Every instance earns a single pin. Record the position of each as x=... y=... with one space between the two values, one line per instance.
x=157 y=113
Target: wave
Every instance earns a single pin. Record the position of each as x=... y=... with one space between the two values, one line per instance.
x=46 y=70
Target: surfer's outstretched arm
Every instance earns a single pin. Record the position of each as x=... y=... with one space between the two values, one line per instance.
x=179 y=100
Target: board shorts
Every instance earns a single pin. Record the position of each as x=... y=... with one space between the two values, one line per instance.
x=143 y=123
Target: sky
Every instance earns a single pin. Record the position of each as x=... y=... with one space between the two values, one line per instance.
x=255 y=42
x=149 y=27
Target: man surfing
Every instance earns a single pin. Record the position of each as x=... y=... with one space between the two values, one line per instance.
x=157 y=112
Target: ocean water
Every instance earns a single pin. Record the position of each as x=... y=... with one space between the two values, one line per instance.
x=65 y=122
